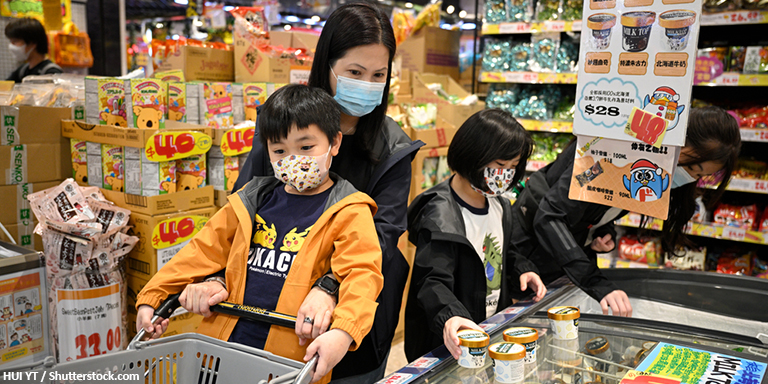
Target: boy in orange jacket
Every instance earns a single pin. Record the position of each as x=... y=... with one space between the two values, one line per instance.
x=276 y=236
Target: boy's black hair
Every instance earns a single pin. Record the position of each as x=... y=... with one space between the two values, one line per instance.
x=30 y=31
x=300 y=105
x=488 y=135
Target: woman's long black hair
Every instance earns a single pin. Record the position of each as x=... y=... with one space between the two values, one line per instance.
x=349 y=26
x=713 y=135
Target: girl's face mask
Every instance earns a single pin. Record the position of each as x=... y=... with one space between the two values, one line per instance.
x=498 y=181
x=357 y=97
x=302 y=172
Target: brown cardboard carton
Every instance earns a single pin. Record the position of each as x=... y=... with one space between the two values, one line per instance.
x=453 y=114
x=201 y=64
x=33 y=163
x=23 y=234
x=254 y=65
x=32 y=125
x=161 y=237
x=14 y=201
x=431 y=50
x=220 y=198
x=113 y=135
x=162 y=204
x=440 y=136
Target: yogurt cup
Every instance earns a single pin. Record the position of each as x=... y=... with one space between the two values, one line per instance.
x=474 y=347
x=677 y=24
x=508 y=362
x=527 y=337
x=601 y=24
x=564 y=322
x=636 y=30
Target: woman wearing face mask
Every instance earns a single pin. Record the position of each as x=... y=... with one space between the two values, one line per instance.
x=29 y=44
x=352 y=63
x=562 y=236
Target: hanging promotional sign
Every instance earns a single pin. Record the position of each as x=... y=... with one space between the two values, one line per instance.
x=623 y=174
x=636 y=54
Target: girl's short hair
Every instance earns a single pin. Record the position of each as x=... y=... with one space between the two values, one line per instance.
x=488 y=135
x=349 y=26
x=300 y=106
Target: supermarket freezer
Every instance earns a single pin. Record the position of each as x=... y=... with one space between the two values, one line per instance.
x=673 y=311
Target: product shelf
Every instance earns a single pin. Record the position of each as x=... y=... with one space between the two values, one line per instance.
x=745 y=185
x=734 y=18
x=701 y=229
x=734 y=79
x=528 y=77
x=548 y=126
x=533 y=27
x=759 y=135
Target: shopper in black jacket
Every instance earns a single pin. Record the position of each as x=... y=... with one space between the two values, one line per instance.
x=453 y=275
x=563 y=236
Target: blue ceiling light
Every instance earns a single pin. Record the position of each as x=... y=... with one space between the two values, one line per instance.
x=291 y=19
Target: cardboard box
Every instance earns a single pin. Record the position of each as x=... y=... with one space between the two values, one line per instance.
x=453 y=114
x=24 y=235
x=220 y=198
x=181 y=320
x=129 y=137
x=162 y=204
x=432 y=50
x=34 y=163
x=440 y=136
x=201 y=64
x=14 y=201
x=32 y=125
x=252 y=64
x=162 y=236
x=417 y=168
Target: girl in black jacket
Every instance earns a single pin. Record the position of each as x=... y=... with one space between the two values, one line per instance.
x=563 y=236
x=463 y=271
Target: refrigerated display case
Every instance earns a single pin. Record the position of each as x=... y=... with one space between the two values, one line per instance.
x=676 y=334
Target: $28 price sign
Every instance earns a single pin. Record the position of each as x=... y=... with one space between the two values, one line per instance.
x=591 y=109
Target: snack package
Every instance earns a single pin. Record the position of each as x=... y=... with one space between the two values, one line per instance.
x=254 y=95
x=148 y=178
x=402 y=24
x=63 y=203
x=222 y=170
x=79 y=161
x=112 y=167
x=443 y=170
x=733 y=264
x=751 y=169
x=544 y=47
x=429 y=172
x=177 y=102
x=756 y=60
x=111 y=217
x=764 y=220
x=111 y=102
x=428 y=17
x=238 y=104
x=95 y=170
x=691 y=259
x=721 y=5
x=148 y=103
x=191 y=173
x=642 y=250
x=216 y=105
x=737 y=57
x=422 y=116
x=174 y=75
x=498 y=56
x=700 y=215
x=744 y=217
x=548 y=10
x=759 y=267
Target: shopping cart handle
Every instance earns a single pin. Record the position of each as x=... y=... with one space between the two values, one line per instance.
x=255 y=314
x=168 y=306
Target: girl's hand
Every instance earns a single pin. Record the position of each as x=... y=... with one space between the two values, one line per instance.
x=453 y=325
x=533 y=279
x=144 y=321
x=603 y=244
x=331 y=346
x=618 y=302
x=198 y=298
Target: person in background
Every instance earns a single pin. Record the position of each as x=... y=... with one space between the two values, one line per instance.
x=563 y=236
x=464 y=270
x=29 y=43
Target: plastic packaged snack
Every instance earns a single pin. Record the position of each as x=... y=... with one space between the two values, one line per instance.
x=191 y=173
x=764 y=220
x=148 y=103
x=64 y=202
x=548 y=10
x=544 y=49
x=744 y=217
x=519 y=10
x=422 y=116
x=429 y=172
x=734 y=264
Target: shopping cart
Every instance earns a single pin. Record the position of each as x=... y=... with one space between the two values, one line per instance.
x=180 y=359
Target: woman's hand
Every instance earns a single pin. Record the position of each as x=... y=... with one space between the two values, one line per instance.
x=198 y=298
x=451 y=340
x=318 y=306
x=144 y=321
x=603 y=244
x=533 y=279
x=618 y=302
x=331 y=346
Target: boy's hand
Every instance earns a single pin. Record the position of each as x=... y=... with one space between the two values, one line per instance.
x=603 y=244
x=144 y=320
x=198 y=298
x=318 y=306
x=453 y=325
x=618 y=302
x=331 y=346
x=533 y=280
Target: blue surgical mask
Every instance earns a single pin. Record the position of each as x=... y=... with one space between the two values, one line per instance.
x=356 y=97
x=681 y=177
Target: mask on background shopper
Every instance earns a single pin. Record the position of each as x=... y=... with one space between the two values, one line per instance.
x=302 y=172
x=681 y=177
x=498 y=181
x=19 y=52
x=357 y=97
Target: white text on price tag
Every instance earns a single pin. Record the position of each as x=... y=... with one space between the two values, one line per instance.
x=89 y=322
x=732 y=233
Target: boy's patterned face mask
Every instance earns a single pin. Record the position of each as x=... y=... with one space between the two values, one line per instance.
x=498 y=181
x=302 y=172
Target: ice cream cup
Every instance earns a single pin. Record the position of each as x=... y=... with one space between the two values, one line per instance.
x=564 y=322
x=474 y=348
x=528 y=337
x=508 y=362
